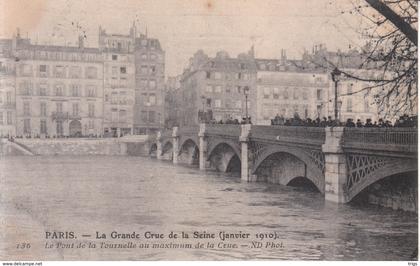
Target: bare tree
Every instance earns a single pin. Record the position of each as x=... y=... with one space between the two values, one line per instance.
x=388 y=60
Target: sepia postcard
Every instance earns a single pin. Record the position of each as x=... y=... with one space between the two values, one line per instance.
x=208 y=130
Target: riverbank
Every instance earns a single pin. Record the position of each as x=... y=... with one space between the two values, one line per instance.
x=77 y=146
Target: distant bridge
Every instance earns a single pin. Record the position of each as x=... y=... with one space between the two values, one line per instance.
x=340 y=162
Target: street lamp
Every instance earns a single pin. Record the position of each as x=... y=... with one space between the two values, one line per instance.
x=148 y=104
x=335 y=74
x=203 y=101
x=246 y=92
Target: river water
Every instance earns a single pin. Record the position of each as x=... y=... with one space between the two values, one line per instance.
x=91 y=194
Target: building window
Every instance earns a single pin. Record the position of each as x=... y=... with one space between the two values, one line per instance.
x=114 y=72
x=43 y=109
x=59 y=90
x=238 y=104
x=9 y=118
x=91 y=91
x=75 y=109
x=75 y=72
x=26 y=88
x=238 y=89
x=27 y=126
x=266 y=92
x=153 y=56
x=152 y=84
x=43 y=71
x=114 y=57
x=91 y=72
x=59 y=107
x=218 y=89
x=209 y=89
x=74 y=90
x=217 y=103
x=296 y=93
x=59 y=72
x=319 y=94
x=349 y=88
x=367 y=108
x=59 y=128
x=143 y=116
x=91 y=124
x=349 y=105
x=1 y=118
x=152 y=99
x=43 y=126
x=208 y=74
x=153 y=69
x=91 y=109
x=275 y=93
x=8 y=97
x=122 y=116
x=143 y=70
x=26 y=109
x=144 y=56
x=227 y=89
x=217 y=75
x=26 y=70
x=305 y=94
x=123 y=70
x=43 y=90
x=152 y=117
x=208 y=102
x=143 y=83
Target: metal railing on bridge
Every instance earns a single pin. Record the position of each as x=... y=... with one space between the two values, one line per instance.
x=390 y=139
x=190 y=130
x=294 y=134
x=223 y=130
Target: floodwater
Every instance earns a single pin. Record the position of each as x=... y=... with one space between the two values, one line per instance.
x=90 y=194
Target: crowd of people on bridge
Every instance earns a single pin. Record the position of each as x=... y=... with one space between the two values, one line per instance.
x=403 y=121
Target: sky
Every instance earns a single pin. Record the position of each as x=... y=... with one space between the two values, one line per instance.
x=185 y=26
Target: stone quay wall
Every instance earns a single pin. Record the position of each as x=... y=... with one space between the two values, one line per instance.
x=74 y=146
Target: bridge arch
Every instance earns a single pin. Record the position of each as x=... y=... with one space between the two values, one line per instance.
x=153 y=149
x=307 y=167
x=189 y=151
x=225 y=156
x=213 y=145
x=376 y=174
x=167 y=150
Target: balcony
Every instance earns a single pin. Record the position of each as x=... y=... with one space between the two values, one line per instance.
x=60 y=116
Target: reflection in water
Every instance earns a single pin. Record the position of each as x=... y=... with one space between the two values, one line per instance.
x=126 y=194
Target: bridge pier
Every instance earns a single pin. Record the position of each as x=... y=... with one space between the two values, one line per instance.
x=203 y=162
x=159 y=146
x=175 y=145
x=246 y=155
x=335 y=165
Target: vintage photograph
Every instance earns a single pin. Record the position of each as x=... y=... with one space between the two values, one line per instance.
x=208 y=130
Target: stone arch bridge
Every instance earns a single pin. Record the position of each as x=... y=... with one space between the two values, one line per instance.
x=340 y=162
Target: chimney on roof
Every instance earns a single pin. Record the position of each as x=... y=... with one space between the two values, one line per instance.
x=283 y=56
x=81 y=42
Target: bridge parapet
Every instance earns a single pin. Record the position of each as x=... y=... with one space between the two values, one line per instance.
x=189 y=130
x=381 y=139
x=295 y=134
x=223 y=130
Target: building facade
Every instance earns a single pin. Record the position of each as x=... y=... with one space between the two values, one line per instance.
x=150 y=85
x=7 y=90
x=289 y=94
x=119 y=84
x=217 y=88
x=53 y=91
x=59 y=90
